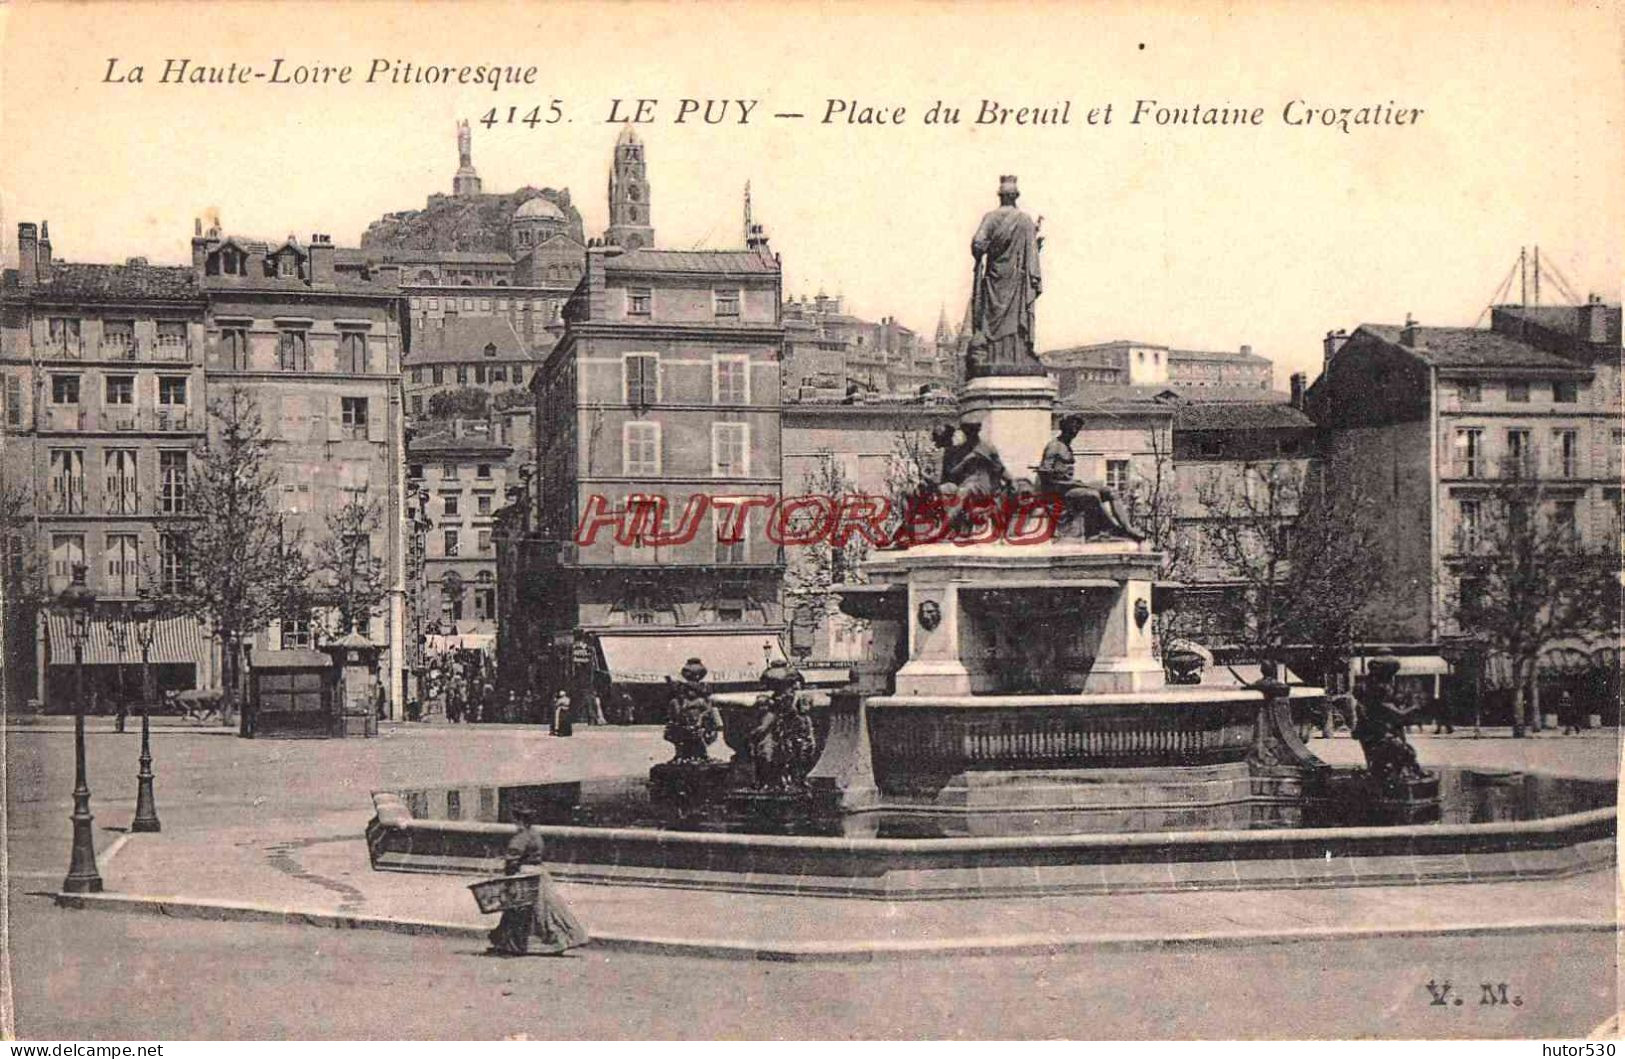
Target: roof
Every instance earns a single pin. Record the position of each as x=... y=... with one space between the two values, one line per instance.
x=442 y=439
x=727 y=261
x=1471 y=347
x=170 y=283
x=1564 y=319
x=1248 y=357
x=1260 y=415
x=1172 y=394
x=538 y=207
x=460 y=338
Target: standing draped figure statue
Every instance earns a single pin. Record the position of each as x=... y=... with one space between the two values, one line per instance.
x=1005 y=289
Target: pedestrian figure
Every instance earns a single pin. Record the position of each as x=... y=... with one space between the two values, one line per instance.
x=595 y=709
x=546 y=927
x=562 y=724
x=123 y=707
x=1565 y=710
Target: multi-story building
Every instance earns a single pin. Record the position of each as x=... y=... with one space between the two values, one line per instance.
x=832 y=355
x=1131 y=363
x=104 y=401
x=482 y=353
x=463 y=468
x=662 y=395
x=1430 y=419
x=317 y=343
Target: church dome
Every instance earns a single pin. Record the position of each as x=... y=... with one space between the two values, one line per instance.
x=538 y=209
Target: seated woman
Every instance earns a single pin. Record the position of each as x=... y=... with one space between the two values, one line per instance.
x=547 y=927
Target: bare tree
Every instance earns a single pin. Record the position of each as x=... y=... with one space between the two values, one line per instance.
x=1151 y=502
x=1524 y=581
x=22 y=588
x=243 y=566
x=1294 y=554
x=348 y=576
x=813 y=571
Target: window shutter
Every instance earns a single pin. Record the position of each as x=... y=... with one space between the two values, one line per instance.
x=335 y=418
x=375 y=419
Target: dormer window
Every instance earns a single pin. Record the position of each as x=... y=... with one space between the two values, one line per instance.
x=490 y=349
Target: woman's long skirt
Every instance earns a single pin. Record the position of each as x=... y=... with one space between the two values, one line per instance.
x=546 y=928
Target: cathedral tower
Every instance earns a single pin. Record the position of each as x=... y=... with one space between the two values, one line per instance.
x=629 y=225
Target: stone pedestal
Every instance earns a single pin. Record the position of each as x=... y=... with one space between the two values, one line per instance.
x=1015 y=412
x=1069 y=616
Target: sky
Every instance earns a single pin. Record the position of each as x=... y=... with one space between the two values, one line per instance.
x=1204 y=237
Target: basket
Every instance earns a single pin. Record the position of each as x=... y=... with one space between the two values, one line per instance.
x=510 y=891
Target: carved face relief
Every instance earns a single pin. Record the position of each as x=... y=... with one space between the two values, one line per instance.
x=929 y=614
x=1142 y=612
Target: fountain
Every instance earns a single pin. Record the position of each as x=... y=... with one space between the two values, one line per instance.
x=1016 y=731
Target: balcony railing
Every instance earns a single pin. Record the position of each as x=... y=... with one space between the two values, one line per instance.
x=171 y=347
x=120 y=496
x=69 y=348
x=119 y=347
x=66 y=496
x=1469 y=468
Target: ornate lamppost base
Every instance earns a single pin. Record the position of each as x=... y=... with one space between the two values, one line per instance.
x=146 y=807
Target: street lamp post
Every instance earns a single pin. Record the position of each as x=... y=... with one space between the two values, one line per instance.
x=78 y=602
x=145 y=614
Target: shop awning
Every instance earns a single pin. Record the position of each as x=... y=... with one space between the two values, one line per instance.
x=736 y=658
x=1409 y=665
x=469 y=641
x=174 y=641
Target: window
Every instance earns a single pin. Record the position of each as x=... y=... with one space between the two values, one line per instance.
x=172 y=389
x=1469 y=525
x=67 y=555
x=484 y=540
x=234 y=346
x=14 y=401
x=637 y=301
x=485 y=307
x=353 y=351
x=439 y=374
x=67 y=485
x=448 y=470
x=1470 y=453
x=726 y=302
x=468 y=303
x=450 y=538
x=1519 y=453
x=730 y=380
x=485 y=604
x=64 y=335
x=118 y=339
x=1565 y=521
x=120 y=389
x=479 y=374
x=482 y=470
x=120 y=495
x=1470 y=391
x=296 y=633
x=172 y=482
x=462 y=375
x=417 y=374
x=122 y=565
x=1565 y=391
x=1470 y=597
x=642 y=379
x=730 y=549
x=640 y=448
x=448 y=504
x=291 y=349
x=518 y=375
x=434 y=303
x=498 y=373
x=417 y=404
x=1117 y=476
x=482 y=504
x=730 y=450
x=1518 y=390
x=1566 y=446
x=172 y=573
x=64 y=389
x=353 y=411
x=490 y=349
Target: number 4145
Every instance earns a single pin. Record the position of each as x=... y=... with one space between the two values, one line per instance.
x=533 y=117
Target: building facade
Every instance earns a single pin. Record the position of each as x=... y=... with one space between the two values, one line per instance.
x=1129 y=363
x=317 y=344
x=1433 y=419
x=103 y=380
x=662 y=397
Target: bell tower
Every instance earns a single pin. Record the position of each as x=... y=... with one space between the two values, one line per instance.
x=629 y=222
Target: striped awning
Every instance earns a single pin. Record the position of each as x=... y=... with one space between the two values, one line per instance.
x=174 y=640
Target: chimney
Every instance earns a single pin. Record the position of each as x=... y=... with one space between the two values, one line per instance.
x=1594 y=321
x=201 y=244
x=1408 y=337
x=1300 y=382
x=321 y=260
x=42 y=266
x=1246 y=351
x=389 y=274
x=27 y=254
x=1335 y=340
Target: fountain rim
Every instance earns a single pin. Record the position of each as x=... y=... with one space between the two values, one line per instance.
x=1170 y=695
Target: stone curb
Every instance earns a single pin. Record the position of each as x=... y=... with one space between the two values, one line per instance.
x=839 y=951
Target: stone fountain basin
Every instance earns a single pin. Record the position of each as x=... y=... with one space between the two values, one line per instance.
x=1025 y=865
